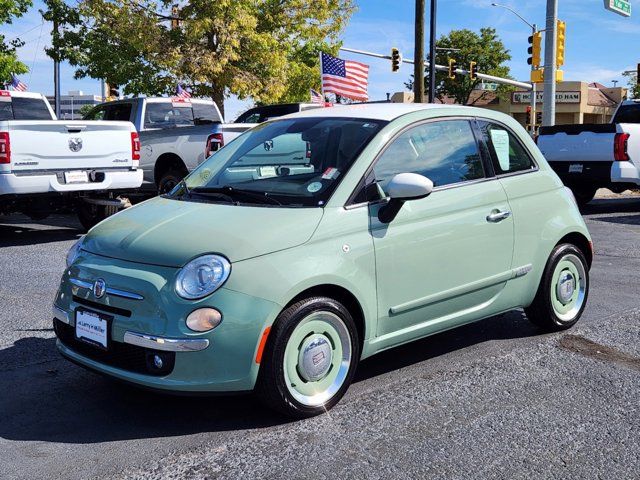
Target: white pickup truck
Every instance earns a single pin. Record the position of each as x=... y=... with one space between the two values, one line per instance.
x=588 y=157
x=49 y=165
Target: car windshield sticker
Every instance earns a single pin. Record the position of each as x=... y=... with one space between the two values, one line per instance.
x=314 y=187
x=500 y=141
x=330 y=173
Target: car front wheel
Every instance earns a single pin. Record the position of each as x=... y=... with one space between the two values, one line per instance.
x=310 y=358
x=563 y=290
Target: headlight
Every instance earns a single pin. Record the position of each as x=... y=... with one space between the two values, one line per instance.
x=202 y=276
x=74 y=251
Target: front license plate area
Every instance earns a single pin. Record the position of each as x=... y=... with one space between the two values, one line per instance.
x=76 y=176
x=93 y=328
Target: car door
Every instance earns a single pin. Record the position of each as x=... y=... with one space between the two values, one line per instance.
x=445 y=258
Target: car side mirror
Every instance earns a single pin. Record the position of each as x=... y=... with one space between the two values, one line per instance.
x=404 y=187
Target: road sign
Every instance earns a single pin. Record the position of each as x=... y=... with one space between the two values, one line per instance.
x=621 y=7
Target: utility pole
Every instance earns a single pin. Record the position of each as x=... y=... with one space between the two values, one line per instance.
x=432 y=53
x=418 y=55
x=56 y=77
x=549 y=105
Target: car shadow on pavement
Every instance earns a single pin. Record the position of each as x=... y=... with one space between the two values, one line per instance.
x=612 y=205
x=49 y=399
x=17 y=235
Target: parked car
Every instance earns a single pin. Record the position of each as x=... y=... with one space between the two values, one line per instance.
x=279 y=274
x=49 y=165
x=224 y=133
x=172 y=134
x=592 y=156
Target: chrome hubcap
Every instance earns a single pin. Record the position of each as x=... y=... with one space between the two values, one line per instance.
x=315 y=358
x=565 y=287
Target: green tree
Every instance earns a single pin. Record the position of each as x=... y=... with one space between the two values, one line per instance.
x=485 y=48
x=267 y=49
x=632 y=83
x=9 y=63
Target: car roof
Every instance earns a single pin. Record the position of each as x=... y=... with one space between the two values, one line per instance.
x=16 y=93
x=374 y=111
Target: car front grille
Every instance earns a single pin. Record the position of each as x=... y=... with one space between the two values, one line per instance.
x=120 y=355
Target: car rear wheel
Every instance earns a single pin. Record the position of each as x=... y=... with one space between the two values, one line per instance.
x=583 y=194
x=169 y=180
x=563 y=290
x=310 y=358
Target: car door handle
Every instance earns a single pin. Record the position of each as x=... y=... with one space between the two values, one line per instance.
x=497 y=216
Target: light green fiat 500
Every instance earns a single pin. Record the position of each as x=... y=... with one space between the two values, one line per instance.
x=319 y=239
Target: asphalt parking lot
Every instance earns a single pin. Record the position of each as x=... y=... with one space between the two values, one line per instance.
x=495 y=399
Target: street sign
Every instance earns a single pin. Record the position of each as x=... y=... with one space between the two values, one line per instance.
x=621 y=7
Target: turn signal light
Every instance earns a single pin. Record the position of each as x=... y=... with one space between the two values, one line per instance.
x=204 y=319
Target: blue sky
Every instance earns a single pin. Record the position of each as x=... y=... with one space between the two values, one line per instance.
x=600 y=44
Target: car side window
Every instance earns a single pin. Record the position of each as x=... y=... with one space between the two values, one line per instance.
x=444 y=151
x=507 y=153
x=97 y=113
x=120 y=112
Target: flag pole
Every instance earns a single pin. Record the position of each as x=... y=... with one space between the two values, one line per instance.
x=324 y=99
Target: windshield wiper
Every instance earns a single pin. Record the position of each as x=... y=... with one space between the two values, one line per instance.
x=229 y=191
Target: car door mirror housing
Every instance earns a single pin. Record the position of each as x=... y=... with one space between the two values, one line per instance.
x=401 y=188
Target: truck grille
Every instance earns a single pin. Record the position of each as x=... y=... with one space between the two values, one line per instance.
x=120 y=355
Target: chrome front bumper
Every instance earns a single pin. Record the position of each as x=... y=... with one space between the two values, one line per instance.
x=150 y=341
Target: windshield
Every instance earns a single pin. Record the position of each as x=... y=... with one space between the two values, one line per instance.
x=293 y=162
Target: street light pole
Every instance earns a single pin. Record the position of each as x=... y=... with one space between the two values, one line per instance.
x=551 y=41
x=534 y=30
x=432 y=52
x=418 y=55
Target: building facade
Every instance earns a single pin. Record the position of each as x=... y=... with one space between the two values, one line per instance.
x=71 y=103
x=576 y=102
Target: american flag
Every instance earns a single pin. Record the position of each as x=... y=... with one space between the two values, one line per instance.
x=17 y=84
x=345 y=77
x=317 y=97
x=181 y=92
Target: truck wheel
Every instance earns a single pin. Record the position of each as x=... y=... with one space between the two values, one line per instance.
x=310 y=358
x=90 y=215
x=583 y=194
x=169 y=180
x=563 y=290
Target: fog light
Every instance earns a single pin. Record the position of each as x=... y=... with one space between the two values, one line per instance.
x=204 y=319
x=157 y=362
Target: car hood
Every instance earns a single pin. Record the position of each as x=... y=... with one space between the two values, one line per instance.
x=169 y=232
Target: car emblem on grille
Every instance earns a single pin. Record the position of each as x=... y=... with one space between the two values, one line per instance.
x=99 y=287
x=75 y=144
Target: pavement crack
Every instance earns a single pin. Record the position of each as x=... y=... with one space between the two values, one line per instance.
x=588 y=348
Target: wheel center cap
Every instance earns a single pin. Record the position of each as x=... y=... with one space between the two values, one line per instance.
x=566 y=286
x=314 y=359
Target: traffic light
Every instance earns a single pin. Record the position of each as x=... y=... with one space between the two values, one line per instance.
x=453 y=66
x=538 y=117
x=396 y=59
x=473 y=70
x=537 y=76
x=535 y=49
x=528 y=115
x=561 y=28
x=175 y=21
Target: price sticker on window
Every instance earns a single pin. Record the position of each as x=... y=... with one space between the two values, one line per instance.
x=500 y=141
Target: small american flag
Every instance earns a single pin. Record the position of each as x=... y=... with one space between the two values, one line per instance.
x=17 y=84
x=181 y=92
x=345 y=77
x=317 y=97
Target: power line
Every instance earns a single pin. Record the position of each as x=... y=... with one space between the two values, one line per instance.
x=27 y=31
x=35 y=53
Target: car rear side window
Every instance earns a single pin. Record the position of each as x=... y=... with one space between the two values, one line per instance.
x=628 y=113
x=444 y=151
x=118 y=112
x=204 y=113
x=30 y=109
x=166 y=115
x=507 y=153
